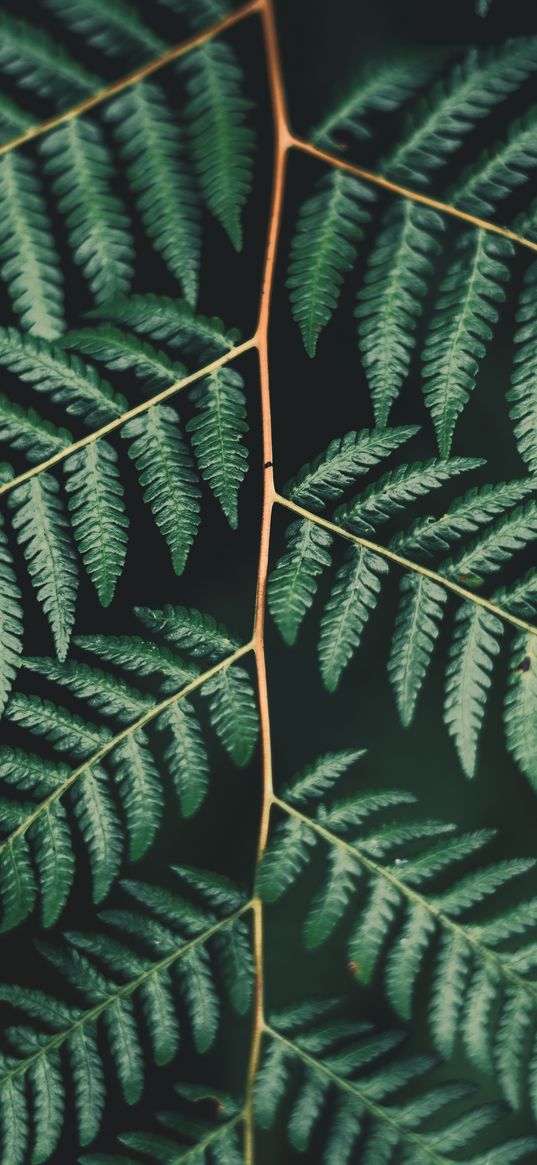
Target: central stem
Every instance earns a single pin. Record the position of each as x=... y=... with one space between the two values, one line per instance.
x=282 y=141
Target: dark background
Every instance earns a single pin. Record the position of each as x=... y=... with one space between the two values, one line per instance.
x=323 y=45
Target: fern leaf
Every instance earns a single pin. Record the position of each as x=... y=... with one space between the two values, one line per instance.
x=497 y=545
x=172 y=321
x=462 y=327
x=14 y=1122
x=18 y=883
x=98 y=517
x=406 y=958
x=233 y=712
x=195 y=632
x=417 y=623
x=11 y=627
x=152 y=146
x=100 y=828
x=82 y=172
x=468 y=678
x=88 y=1078
x=496 y=174
x=352 y=599
x=477 y=507
x=390 y=301
x=202 y=1001
x=67 y=732
x=397 y=489
x=125 y=1048
x=167 y=474
x=42 y=531
x=522 y=392
x=449 y=992
x=324 y=248
x=140 y=790
x=521 y=705
x=13 y=119
x=99 y=689
x=293 y=582
x=380 y=89
x=51 y=838
x=159 y=1007
x=186 y=756
x=317 y=778
x=346 y=459
x=216 y=435
x=330 y=904
x=108 y=26
x=49 y=1105
x=29 y=263
x=222 y=145
x=64 y=377
x=24 y=429
x=142 y=656
x=456 y=105
x=287 y=855
x=38 y=62
x=121 y=350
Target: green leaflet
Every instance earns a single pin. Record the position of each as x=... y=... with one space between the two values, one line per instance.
x=151 y=143
x=171 y=321
x=222 y=144
x=122 y=350
x=51 y=839
x=353 y=597
x=397 y=489
x=65 y=377
x=390 y=300
x=38 y=62
x=520 y=705
x=293 y=581
x=216 y=435
x=499 y=171
x=11 y=626
x=24 y=429
x=324 y=248
x=140 y=790
x=98 y=517
x=42 y=531
x=81 y=169
x=192 y=631
x=28 y=259
x=233 y=712
x=100 y=828
x=346 y=459
x=523 y=379
x=108 y=25
x=419 y=614
x=166 y=472
x=475 y=644
x=461 y=328
x=186 y=756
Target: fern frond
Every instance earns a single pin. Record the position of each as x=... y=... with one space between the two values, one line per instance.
x=381 y=89
x=143 y=656
x=216 y=435
x=346 y=459
x=390 y=301
x=461 y=327
x=354 y=1075
x=82 y=173
x=63 y=376
x=108 y=694
x=521 y=705
x=41 y=527
x=186 y=756
x=28 y=258
x=98 y=517
x=172 y=321
x=165 y=469
x=140 y=791
x=222 y=144
x=152 y=146
x=292 y=584
x=523 y=379
x=233 y=712
x=107 y=26
x=115 y=983
x=456 y=105
x=497 y=545
x=121 y=350
x=38 y=62
x=410 y=896
x=397 y=489
x=324 y=248
x=11 y=620
x=501 y=170
x=100 y=827
x=475 y=644
x=419 y=614
x=352 y=599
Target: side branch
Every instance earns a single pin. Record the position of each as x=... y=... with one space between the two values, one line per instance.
x=134 y=412
x=105 y=749
x=408 y=564
x=414 y=195
x=166 y=58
